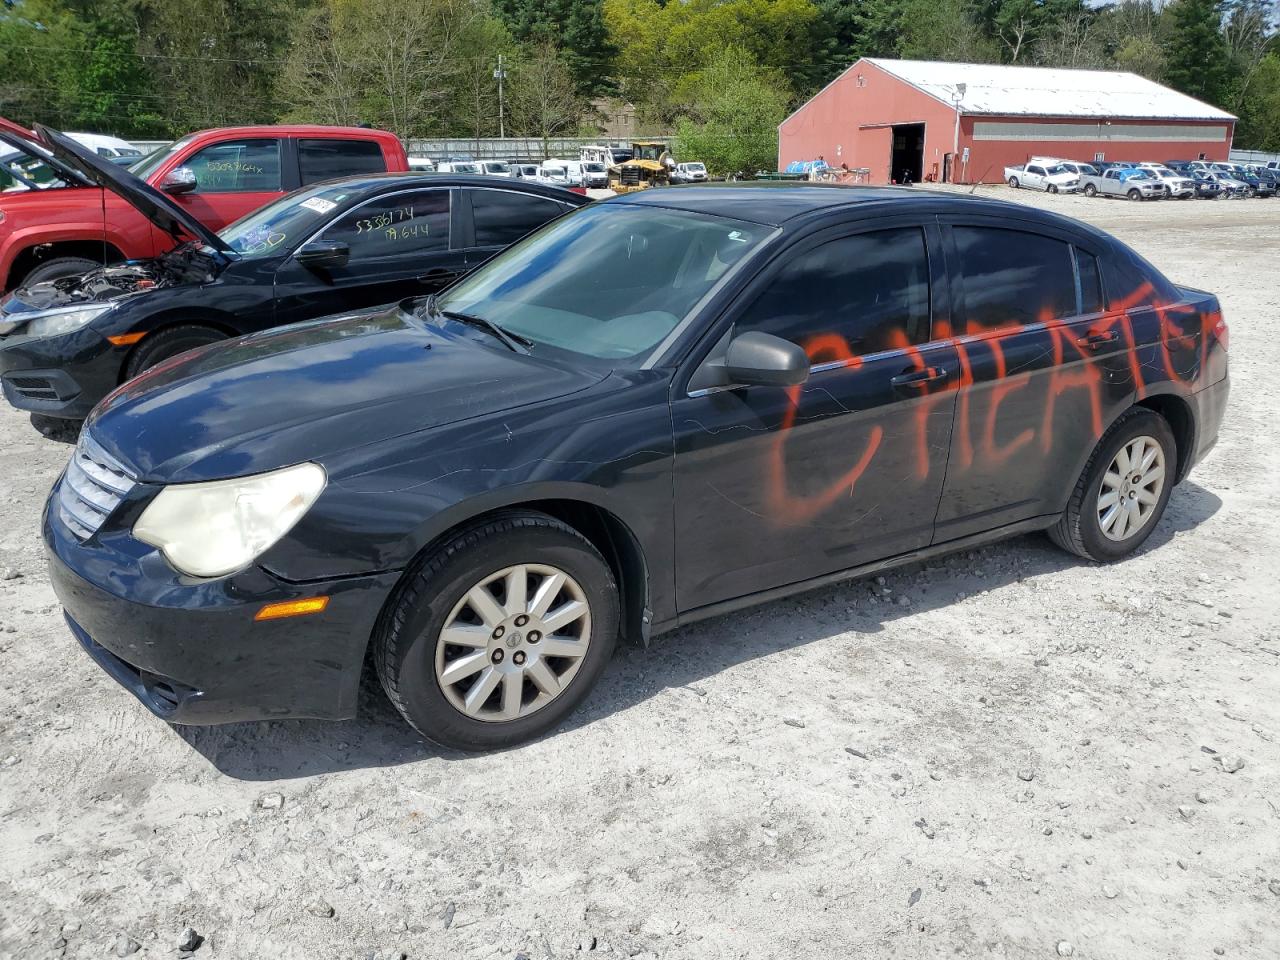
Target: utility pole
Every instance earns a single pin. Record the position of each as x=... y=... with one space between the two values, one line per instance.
x=500 y=75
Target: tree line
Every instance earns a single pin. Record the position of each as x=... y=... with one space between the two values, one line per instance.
x=721 y=73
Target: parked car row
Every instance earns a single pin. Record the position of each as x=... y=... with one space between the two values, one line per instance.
x=341 y=245
x=1148 y=180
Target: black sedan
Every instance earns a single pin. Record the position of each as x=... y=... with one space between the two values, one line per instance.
x=661 y=407
x=340 y=246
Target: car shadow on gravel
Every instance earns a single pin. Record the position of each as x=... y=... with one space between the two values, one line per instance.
x=378 y=737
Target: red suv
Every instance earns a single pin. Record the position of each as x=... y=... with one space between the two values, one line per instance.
x=54 y=222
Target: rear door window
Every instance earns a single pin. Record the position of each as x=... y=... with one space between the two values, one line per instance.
x=1013 y=278
x=325 y=159
x=502 y=217
x=237 y=166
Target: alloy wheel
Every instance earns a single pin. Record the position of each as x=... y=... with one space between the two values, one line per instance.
x=513 y=642
x=1131 y=488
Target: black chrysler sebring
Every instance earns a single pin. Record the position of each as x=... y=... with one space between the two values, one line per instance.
x=338 y=246
x=657 y=408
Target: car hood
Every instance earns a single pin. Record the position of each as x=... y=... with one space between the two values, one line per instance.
x=311 y=390
x=139 y=194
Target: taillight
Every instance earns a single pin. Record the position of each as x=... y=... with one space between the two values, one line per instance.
x=1221 y=333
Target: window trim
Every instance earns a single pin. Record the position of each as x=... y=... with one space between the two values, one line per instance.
x=281 y=166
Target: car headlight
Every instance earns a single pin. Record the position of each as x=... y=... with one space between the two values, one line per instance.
x=221 y=526
x=51 y=323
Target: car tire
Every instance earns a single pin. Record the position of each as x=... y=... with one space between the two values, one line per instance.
x=1013 y=182
x=502 y=661
x=1090 y=190
x=1090 y=527
x=169 y=343
x=58 y=268
x=56 y=428
x=1135 y=194
x=1053 y=188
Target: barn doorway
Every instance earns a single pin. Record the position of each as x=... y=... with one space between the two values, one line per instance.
x=906 y=163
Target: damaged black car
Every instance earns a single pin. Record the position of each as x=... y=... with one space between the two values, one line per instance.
x=336 y=247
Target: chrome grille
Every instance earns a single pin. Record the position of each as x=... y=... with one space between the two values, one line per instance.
x=92 y=487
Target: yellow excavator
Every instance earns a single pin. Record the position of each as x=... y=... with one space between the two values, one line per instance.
x=650 y=166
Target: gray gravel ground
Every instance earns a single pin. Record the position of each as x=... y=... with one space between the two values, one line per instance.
x=1033 y=757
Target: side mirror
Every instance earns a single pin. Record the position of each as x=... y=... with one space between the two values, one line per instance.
x=323 y=254
x=179 y=180
x=761 y=359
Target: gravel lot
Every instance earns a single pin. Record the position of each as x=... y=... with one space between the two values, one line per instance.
x=1031 y=757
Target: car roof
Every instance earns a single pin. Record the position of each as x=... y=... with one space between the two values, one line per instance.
x=295 y=130
x=774 y=204
x=372 y=184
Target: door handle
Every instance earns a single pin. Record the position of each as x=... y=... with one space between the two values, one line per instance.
x=917 y=378
x=1096 y=341
x=438 y=275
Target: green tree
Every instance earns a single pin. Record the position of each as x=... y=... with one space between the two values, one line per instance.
x=544 y=99
x=734 y=108
x=1259 y=127
x=575 y=27
x=1196 y=55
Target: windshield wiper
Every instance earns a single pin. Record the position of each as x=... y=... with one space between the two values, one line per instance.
x=516 y=342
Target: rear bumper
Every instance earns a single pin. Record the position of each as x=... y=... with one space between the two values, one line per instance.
x=192 y=652
x=1210 y=404
x=63 y=376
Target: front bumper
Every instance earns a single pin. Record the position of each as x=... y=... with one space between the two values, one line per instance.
x=63 y=376
x=191 y=650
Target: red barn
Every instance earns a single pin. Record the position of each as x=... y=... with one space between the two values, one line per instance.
x=965 y=122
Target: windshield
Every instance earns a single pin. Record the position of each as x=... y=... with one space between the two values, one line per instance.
x=1088 y=170
x=608 y=282
x=275 y=228
x=148 y=164
x=1057 y=168
x=593 y=167
x=496 y=168
x=466 y=168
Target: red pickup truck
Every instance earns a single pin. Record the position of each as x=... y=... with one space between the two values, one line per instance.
x=55 y=222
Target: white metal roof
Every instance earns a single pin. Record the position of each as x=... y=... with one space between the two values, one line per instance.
x=1049 y=92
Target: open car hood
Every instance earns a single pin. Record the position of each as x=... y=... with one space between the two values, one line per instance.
x=139 y=194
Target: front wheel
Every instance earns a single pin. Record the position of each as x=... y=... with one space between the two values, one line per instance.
x=1123 y=490
x=1053 y=188
x=1135 y=194
x=1090 y=190
x=1013 y=182
x=169 y=343
x=500 y=633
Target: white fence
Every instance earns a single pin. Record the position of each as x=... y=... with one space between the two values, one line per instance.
x=485 y=148
x=1253 y=156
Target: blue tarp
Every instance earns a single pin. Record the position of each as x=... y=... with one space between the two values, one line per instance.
x=806 y=166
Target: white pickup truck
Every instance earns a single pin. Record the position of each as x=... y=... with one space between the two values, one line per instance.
x=1052 y=177
x=1124 y=182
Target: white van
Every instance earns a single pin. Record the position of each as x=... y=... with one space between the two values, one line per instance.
x=113 y=148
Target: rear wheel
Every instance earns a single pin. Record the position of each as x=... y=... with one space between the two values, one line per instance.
x=1013 y=182
x=169 y=343
x=1123 y=490
x=60 y=267
x=500 y=634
